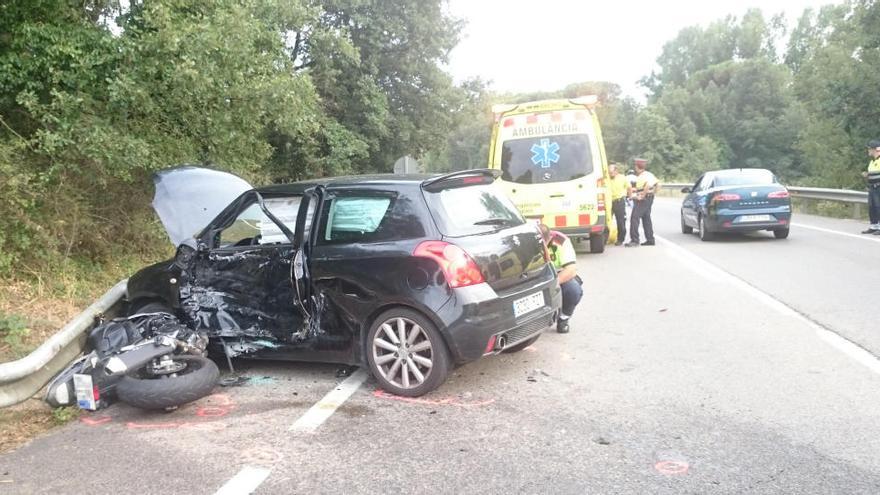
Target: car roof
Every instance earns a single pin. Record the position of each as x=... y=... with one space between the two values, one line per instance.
x=396 y=180
x=735 y=171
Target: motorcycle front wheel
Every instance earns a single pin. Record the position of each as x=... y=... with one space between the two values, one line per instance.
x=179 y=380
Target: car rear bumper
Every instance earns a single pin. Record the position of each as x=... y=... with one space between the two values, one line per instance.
x=477 y=315
x=729 y=220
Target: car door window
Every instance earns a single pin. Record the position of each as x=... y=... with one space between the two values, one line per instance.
x=252 y=227
x=355 y=218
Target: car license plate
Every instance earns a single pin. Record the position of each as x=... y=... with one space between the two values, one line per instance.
x=527 y=304
x=755 y=218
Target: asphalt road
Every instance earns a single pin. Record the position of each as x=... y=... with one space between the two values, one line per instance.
x=691 y=368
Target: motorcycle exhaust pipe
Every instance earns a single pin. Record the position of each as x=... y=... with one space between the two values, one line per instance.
x=135 y=358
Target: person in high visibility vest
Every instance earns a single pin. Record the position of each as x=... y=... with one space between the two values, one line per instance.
x=872 y=176
x=563 y=257
x=646 y=185
x=620 y=192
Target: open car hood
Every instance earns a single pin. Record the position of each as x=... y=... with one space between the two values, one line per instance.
x=187 y=199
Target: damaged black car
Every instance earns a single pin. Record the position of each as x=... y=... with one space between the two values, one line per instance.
x=407 y=276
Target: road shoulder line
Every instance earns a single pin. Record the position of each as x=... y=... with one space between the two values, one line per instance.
x=714 y=273
x=863 y=237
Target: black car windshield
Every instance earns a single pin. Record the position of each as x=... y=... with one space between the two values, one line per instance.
x=745 y=178
x=472 y=209
x=542 y=159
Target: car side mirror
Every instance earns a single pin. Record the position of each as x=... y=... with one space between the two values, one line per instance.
x=685 y=189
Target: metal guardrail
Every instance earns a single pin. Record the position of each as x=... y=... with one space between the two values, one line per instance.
x=23 y=378
x=815 y=193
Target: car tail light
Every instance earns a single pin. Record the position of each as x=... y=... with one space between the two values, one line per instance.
x=725 y=197
x=778 y=195
x=458 y=267
x=600 y=183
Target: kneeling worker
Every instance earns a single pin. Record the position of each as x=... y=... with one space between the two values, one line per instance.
x=563 y=257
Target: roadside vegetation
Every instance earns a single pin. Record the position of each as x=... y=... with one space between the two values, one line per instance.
x=95 y=96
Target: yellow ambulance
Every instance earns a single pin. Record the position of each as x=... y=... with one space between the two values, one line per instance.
x=553 y=166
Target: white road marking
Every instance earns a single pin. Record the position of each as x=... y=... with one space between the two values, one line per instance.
x=716 y=274
x=245 y=482
x=864 y=237
x=314 y=417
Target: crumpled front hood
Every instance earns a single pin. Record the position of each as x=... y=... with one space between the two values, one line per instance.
x=187 y=199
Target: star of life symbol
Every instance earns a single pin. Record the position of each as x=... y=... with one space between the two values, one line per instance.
x=545 y=153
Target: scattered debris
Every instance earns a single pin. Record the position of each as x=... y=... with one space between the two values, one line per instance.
x=234 y=381
x=663 y=310
x=602 y=441
x=531 y=379
x=345 y=371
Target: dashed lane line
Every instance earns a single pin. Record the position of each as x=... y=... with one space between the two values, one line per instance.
x=245 y=482
x=714 y=273
x=315 y=417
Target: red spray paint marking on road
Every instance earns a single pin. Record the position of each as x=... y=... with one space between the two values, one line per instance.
x=206 y=417
x=672 y=467
x=98 y=420
x=449 y=401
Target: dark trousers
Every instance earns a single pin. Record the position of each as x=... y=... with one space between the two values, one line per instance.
x=642 y=212
x=571 y=295
x=618 y=209
x=874 y=204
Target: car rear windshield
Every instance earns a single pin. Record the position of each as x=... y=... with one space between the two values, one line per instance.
x=745 y=178
x=472 y=209
x=542 y=159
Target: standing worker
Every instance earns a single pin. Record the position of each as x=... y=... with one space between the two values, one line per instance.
x=872 y=176
x=620 y=192
x=646 y=185
x=563 y=257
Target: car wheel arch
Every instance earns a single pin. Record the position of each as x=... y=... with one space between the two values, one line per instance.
x=369 y=320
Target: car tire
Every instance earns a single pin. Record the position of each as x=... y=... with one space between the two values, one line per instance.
x=705 y=235
x=685 y=228
x=597 y=243
x=522 y=345
x=195 y=381
x=781 y=233
x=420 y=355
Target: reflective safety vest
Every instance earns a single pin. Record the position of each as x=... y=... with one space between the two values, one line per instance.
x=874 y=172
x=561 y=250
x=618 y=187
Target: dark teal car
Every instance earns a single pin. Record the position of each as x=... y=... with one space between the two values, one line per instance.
x=736 y=200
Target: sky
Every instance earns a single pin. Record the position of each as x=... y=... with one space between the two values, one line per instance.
x=544 y=45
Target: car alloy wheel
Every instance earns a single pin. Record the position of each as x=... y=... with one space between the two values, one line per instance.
x=705 y=235
x=407 y=355
x=685 y=229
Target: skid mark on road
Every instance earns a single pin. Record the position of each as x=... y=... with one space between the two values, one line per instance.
x=715 y=274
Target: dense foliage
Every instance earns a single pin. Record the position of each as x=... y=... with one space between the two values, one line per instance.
x=96 y=95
